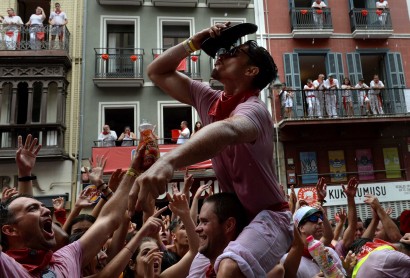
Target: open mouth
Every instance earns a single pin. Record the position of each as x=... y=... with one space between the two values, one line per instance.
x=48 y=229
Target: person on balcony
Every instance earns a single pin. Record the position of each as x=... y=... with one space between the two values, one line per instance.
x=382 y=7
x=289 y=95
x=58 y=20
x=320 y=87
x=311 y=99
x=107 y=137
x=363 y=99
x=376 y=103
x=36 y=28
x=332 y=85
x=318 y=7
x=12 y=23
x=184 y=133
x=127 y=137
x=347 y=97
x=198 y=126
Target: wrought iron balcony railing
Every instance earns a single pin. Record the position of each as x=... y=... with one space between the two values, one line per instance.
x=189 y=66
x=50 y=136
x=119 y=62
x=311 y=19
x=370 y=19
x=35 y=37
x=390 y=100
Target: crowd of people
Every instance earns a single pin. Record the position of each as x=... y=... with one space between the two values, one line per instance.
x=12 y=31
x=251 y=229
x=321 y=97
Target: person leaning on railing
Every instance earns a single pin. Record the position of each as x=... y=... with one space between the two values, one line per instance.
x=107 y=137
x=12 y=24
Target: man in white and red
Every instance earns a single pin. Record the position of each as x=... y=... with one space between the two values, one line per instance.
x=184 y=133
x=376 y=104
x=319 y=87
x=318 y=7
x=382 y=6
x=58 y=19
x=311 y=100
x=12 y=24
x=332 y=85
x=107 y=137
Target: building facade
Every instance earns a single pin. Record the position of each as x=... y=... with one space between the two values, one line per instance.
x=40 y=72
x=352 y=39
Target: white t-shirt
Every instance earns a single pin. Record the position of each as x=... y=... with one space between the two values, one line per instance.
x=382 y=5
x=183 y=136
x=373 y=86
x=320 y=6
x=36 y=19
x=15 y=20
x=58 y=19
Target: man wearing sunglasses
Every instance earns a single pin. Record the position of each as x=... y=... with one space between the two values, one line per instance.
x=237 y=135
x=309 y=222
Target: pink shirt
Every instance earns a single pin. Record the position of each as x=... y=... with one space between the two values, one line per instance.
x=246 y=169
x=67 y=263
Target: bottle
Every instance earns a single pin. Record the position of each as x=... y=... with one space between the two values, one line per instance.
x=323 y=259
x=151 y=153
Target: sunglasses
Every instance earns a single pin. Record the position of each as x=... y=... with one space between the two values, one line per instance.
x=233 y=52
x=314 y=218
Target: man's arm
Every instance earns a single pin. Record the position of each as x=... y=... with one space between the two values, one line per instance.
x=112 y=213
x=162 y=71
x=350 y=191
x=212 y=139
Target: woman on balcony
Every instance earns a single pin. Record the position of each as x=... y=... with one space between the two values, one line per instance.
x=36 y=28
x=347 y=97
x=127 y=137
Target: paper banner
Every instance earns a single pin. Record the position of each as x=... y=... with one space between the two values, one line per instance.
x=364 y=160
x=337 y=166
x=308 y=163
x=391 y=163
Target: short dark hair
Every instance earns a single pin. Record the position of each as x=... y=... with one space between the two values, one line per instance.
x=358 y=244
x=261 y=58
x=80 y=218
x=174 y=224
x=7 y=217
x=227 y=205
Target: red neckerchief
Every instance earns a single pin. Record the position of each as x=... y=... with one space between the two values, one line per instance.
x=310 y=86
x=306 y=253
x=105 y=132
x=370 y=246
x=34 y=261
x=224 y=105
x=331 y=82
x=58 y=12
x=210 y=272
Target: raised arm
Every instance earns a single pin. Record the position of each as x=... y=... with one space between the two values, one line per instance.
x=163 y=70
x=26 y=159
x=179 y=205
x=194 y=206
x=350 y=192
x=234 y=130
x=83 y=201
x=341 y=215
x=371 y=229
x=111 y=214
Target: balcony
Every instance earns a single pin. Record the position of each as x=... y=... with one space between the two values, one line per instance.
x=189 y=66
x=240 y=4
x=392 y=99
x=50 y=136
x=311 y=23
x=119 y=67
x=175 y=3
x=371 y=24
x=35 y=45
x=121 y=2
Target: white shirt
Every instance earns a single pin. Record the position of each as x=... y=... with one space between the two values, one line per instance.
x=183 y=136
x=320 y=6
x=58 y=19
x=36 y=19
x=381 y=5
x=334 y=82
x=373 y=85
x=309 y=91
x=108 y=139
x=12 y=20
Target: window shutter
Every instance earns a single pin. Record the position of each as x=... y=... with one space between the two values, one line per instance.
x=292 y=79
x=396 y=82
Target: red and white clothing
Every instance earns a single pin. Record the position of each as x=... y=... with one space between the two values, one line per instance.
x=318 y=15
x=12 y=27
x=311 y=100
x=362 y=93
x=319 y=86
x=183 y=136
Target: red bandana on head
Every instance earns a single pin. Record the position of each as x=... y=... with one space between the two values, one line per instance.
x=34 y=261
x=224 y=105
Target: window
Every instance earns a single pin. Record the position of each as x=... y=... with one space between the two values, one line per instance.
x=174 y=30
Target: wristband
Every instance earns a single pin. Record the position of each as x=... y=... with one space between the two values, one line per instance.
x=132 y=172
x=104 y=183
x=105 y=197
x=191 y=45
x=27 y=178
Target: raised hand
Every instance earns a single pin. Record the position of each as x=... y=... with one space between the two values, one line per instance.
x=58 y=203
x=97 y=172
x=341 y=215
x=406 y=238
x=115 y=179
x=84 y=199
x=389 y=211
x=349 y=262
x=26 y=155
x=201 y=189
x=372 y=201
x=8 y=193
x=188 y=182
x=351 y=188
x=153 y=224
x=321 y=189
x=178 y=204
x=292 y=199
x=151 y=260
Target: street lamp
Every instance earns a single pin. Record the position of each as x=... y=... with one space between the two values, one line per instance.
x=276 y=87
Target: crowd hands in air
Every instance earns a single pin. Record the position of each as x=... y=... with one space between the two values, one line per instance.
x=166 y=244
